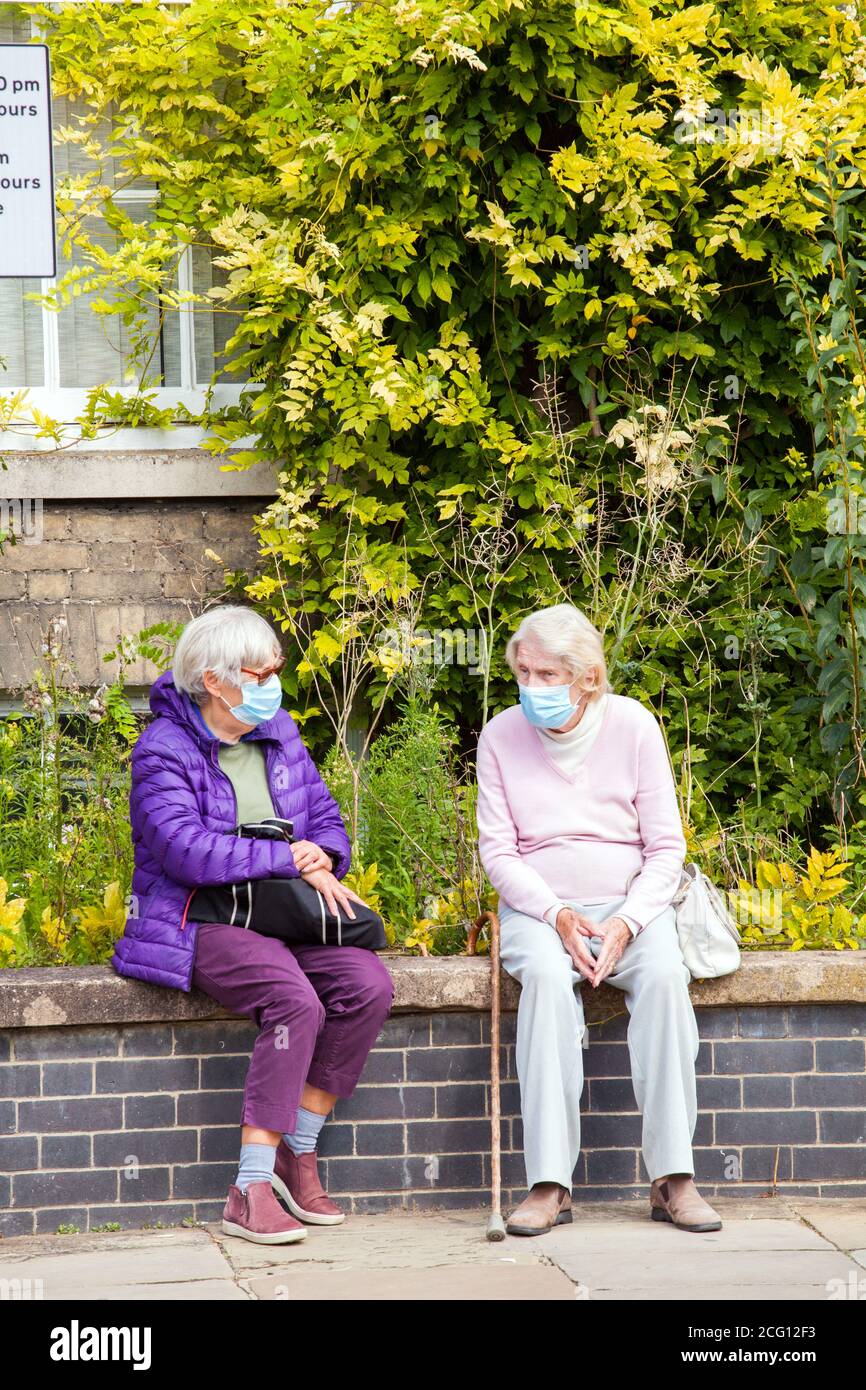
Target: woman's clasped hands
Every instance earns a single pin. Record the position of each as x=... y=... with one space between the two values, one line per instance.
x=576 y=930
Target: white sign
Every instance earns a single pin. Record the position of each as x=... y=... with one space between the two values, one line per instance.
x=26 y=162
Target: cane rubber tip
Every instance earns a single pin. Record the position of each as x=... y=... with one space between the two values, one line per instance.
x=496 y=1227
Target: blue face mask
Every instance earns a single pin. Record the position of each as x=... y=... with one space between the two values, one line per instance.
x=548 y=706
x=258 y=702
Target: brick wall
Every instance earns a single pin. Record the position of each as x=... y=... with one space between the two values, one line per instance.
x=779 y=1089
x=115 y=567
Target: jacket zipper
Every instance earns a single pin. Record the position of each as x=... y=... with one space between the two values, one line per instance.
x=215 y=761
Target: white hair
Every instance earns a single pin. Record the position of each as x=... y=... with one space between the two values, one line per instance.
x=222 y=640
x=564 y=632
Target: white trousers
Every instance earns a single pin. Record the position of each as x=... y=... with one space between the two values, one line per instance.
x=662 y=1039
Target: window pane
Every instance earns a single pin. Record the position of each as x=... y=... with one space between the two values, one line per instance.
x=96 y=348
x=20 y=335
x=212 y=329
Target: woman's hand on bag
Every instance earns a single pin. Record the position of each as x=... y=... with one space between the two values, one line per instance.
x=574 y=930
x=332 y=890
x=616 y=935
x=310 y=856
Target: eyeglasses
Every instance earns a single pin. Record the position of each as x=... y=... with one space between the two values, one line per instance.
x=262 y=676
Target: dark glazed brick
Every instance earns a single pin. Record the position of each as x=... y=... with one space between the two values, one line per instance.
x=507 y=1028
x=386 y=1103
x=709 y=1165
x=716 y=1023
x=146 y=1146
x=204 y=1180
x=363 y=1175
x=613 y=1028
x=761 y=1164
x=610 y=1131
x=605 y=1094
x=766 y=1127
x=832 y=1092
x=67 y=1079
x=149 y=1112
x=464 y=1100
x=830 y=1162
x=826 y=1020
x=763 y=1022
x=372 y=1140
x=57 y=1188
x=51 y=1219
x=50 y=1044
x=18 y=1080
x=130 y=1215
x=756 y=1058
x=404 y=1030
x=70 y=1116
x=143 y=1040
x=165 y=1074
x=840 y=1055
x=146 y=1185
x=456 y=1029
x=704 y=1059
x=336 y=1140
x=5 y=1046
x=387 y=1066
x=213 y=1039
x=607 y=1059
x=611 y=1165
x=719 y=1092
x=19 y=1152
x=7 y=1117
x=17 y=1223
x=841 y=1126
x=449 y=1064
x=220 y=1144
x=446 y=1136
x=209 y=1108
x=224 y=1073
x=768 y=1092
x=66 y=1151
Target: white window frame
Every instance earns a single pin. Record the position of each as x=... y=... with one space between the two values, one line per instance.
x=64 y=403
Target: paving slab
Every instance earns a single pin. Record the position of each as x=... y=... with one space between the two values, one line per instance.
x=437 y=1283
x=766 y=1250
x=842 y=1220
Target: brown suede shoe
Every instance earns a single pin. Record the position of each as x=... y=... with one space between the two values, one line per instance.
x=687 y=1210
x=539 y=1211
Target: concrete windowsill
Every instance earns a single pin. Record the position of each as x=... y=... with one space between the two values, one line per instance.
x=96 y=994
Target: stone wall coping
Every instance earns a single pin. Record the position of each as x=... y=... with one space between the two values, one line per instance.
x=101 y=476
x=95 y=994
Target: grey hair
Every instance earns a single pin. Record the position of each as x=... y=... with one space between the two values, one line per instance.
x=222 y=640
x=566 y=633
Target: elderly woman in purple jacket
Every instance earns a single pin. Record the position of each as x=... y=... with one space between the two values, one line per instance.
x=221 y=751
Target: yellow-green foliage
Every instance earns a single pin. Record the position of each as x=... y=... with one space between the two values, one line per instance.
x=797 y=911
x=447 y=917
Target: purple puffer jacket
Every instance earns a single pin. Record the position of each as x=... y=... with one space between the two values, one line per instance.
x=183 y=810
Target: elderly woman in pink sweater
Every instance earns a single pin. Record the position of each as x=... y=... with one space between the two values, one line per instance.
x=580 y=834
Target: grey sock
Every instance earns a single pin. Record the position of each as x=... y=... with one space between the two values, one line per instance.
x=256 y=1165
x=305 y=1136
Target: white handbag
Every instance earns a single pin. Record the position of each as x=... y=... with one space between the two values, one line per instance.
x=707 y=931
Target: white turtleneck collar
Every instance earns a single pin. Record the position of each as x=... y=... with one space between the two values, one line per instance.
x=570 y=748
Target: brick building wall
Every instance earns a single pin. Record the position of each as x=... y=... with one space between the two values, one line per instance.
x=781 y=1091
x=122 y=543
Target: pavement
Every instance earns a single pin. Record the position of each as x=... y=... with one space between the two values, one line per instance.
x=768 y=1248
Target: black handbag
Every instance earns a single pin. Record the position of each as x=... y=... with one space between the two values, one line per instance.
x=288 y=908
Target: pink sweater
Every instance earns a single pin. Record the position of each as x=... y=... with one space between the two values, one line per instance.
x=543 y=836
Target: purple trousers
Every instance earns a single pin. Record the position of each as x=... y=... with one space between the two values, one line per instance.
x=318 y=1010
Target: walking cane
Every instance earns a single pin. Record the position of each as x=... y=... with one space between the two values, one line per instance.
x=495 y=1224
